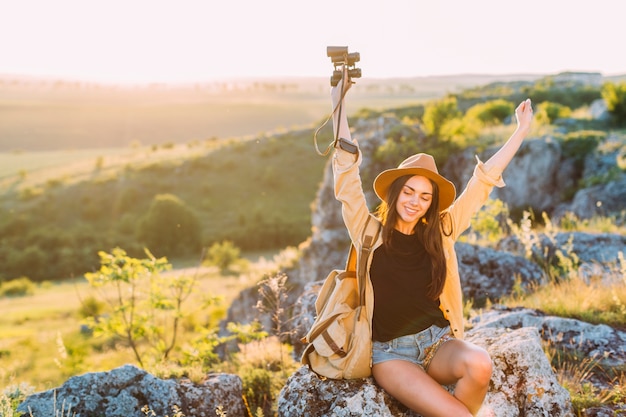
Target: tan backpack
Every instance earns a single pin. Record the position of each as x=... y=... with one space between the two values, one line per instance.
x=340 y=339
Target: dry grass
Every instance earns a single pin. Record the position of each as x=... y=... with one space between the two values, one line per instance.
x=594 y=299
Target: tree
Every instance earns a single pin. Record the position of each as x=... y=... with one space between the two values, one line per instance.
x=436 y=114
x=223 y=255
x=144 y=307
x=170 y=227
x=615 y=97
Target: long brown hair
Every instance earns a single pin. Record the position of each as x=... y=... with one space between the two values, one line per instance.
x=428 y=230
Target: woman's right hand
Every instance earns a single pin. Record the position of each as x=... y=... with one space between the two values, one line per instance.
x=524 y=115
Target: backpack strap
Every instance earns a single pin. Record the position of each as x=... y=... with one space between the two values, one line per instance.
x=370 y=236
x=358 y=262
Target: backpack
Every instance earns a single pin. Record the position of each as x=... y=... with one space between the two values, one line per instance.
x=339 y=343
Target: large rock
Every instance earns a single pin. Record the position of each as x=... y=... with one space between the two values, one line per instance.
x=124 y=391
x=534 y=178
x=491 y=274
x=598 y=200
x=523 y=384
x=597 y=254
x=606 y=344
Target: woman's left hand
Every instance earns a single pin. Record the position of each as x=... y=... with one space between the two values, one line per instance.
x=524 y=115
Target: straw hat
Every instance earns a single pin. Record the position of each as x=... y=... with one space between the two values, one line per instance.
x=418 y=164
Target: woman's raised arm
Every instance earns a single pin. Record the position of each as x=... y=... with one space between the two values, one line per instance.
x=499 y=161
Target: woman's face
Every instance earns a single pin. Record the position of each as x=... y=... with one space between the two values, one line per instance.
x=413 y=202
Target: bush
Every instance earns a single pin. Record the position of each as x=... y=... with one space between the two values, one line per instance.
x=18 y=287
x=437 y=113
x=223 y=255
x=264 y=367
x=579 y=144
x=548 y=112
x=491 y=112
x=615 y=97
x=257 y=388
x=170 y=227
x=461 y=132
x=91 y=307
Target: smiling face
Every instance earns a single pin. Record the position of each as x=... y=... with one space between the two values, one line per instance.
x=413 y=202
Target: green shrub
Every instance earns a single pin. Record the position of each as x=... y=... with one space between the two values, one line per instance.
x=18 y=287
x=491 y=112
x=223 y=255
x=462 y=132
x=12 y=396
x=489 y=224
x=170 y=227
x=614 y=94
x=257 y=388
x=437 y=113
x=580 y=143
x=264 y=367
x=91 y=307
x=547 y=112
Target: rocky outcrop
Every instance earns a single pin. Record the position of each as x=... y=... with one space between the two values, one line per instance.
x=125 y=391
x=535 y=178
x=490 y=274
x=522 y=384
x=596 y=255
x=604 y=343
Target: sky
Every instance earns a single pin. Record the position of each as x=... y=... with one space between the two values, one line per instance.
x=145 y=41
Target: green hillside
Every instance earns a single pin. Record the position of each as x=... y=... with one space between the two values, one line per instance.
x=255 y=191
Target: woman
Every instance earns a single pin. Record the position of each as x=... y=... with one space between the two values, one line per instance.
x=417 y=317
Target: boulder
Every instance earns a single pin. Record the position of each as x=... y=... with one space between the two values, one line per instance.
x=599 y=252
x=125 y=391
x=490 y=274
x=600 y=341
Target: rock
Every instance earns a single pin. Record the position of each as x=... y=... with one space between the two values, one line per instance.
x=599 y=111
x=598 y=200
x=523 y=384
x=603 y=342
x=594 y=251
x=534 y=178
x=124 y=391
x=307 y=395
x=490 y=274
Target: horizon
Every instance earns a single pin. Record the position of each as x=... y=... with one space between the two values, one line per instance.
x=146 y=42
x=508 y=76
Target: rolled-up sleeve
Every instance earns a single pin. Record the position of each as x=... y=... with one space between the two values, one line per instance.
x=493 y=179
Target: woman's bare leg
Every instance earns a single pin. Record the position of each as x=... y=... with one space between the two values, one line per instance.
x=467 y=365
x=409 y=384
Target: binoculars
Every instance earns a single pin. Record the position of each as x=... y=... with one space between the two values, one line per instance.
x=340 y=57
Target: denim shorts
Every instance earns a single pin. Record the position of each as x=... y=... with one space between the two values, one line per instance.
x=416 y=348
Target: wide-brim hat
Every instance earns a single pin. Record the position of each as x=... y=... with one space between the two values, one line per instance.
x=418 y=164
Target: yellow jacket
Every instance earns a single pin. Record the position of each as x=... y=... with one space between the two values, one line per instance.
x=349 y=191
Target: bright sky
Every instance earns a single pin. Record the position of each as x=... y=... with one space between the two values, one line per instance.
x=187 y=40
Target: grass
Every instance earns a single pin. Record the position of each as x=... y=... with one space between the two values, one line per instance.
x=594 y=301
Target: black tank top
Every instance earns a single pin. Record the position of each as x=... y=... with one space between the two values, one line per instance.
x=400 y=278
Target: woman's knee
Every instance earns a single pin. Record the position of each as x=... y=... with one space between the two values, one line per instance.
x=479 y=365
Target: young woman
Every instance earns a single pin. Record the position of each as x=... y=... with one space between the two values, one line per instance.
x=417 y=317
